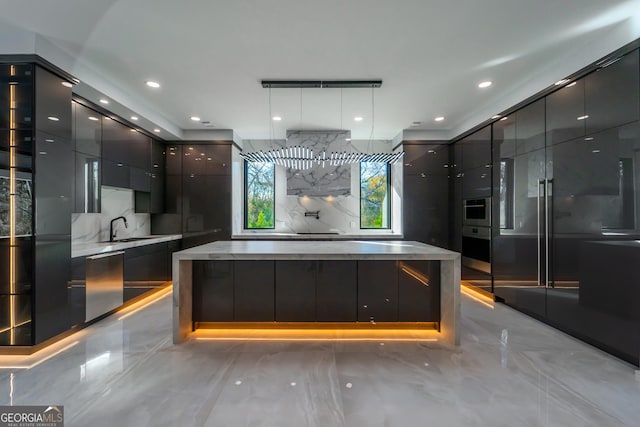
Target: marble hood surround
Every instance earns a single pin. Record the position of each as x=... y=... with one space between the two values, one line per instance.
x=320 y=181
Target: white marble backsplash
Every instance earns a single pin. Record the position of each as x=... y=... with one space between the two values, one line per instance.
x=116 y=202
x=338 y=214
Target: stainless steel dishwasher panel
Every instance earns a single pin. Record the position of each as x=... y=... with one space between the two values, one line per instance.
x=105 y=283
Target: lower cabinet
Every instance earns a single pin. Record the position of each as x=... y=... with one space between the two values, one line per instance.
x=295 y=291
x=316 y=291
x=145 y=268
x=213 y=295
x=377 y=291
x=419 y=291
x=254 y=291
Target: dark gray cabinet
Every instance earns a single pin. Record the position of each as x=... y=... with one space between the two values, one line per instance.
x=612 y=94
x=476 y=149
x=254 y=291
x=377 y=291
x=53 y=105
x=115 y=174
x=310 y=291
x=419 y=291
x=87 y=130
x=530 y=127
x=157 y=177
x=565 y=114
x=426 y=194
x=139 y=179
x=209 y=159
x=213 y=283
x=295 y=291
x=336 y=291
x=206 y=208
x=455 y=198
x=87 y=192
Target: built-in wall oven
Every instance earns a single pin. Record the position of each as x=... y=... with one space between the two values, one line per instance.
x=476 y=234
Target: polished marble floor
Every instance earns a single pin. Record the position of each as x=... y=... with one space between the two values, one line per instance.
x=509 y=371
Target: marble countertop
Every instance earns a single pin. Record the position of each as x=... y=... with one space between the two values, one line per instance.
x=314 y=236
x=301 y=250
x=93 y=248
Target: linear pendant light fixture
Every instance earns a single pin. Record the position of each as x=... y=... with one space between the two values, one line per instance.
x=302 y=158
x=287 y=84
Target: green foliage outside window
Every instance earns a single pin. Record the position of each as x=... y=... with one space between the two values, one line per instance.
x=260 y=195
x=374 y=195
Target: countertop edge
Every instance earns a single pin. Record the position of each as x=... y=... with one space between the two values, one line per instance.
x=93 y=248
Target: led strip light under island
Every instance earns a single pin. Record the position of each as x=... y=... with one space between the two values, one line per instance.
x=316 y=291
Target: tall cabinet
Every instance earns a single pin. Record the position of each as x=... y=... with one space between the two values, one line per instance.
x=36 y=186
x=565 y=227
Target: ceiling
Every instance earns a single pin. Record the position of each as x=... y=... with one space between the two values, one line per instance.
x=210 y=55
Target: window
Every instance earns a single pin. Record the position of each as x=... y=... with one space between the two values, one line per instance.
x=259 y=195
x=374 y=195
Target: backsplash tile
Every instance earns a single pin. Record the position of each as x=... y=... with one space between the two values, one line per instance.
x=115 y=202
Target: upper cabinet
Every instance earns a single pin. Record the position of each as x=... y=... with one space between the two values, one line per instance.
x=210 y=159
x=53 y=104
x=565 y=115
x=476 y=149
x=612 y=94
x=426 y=159
x=87 y=130
x=530 y=128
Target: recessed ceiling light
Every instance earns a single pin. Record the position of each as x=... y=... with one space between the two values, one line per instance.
x=134 y=117
x=67 y=84
x=156 y=130
x=53 y=119
x=485 y=84
x=561 y=82
x=439 y=119
x=504 y=118
x=358 y=118
x=347 y=139
x=496 y=116
x=571 y=84
x=195 y=118
x=95 y=119
x=152 y=84
x=103 y=101
x=416 y=123
x=276 y=118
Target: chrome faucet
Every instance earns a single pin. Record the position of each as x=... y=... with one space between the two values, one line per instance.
x=112 y=235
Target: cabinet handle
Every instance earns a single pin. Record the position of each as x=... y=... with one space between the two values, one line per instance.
x=539 y=217
x=547 y=228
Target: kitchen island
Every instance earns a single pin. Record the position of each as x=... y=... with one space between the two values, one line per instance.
x=368 y=283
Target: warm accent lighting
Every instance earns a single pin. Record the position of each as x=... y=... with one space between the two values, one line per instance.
x=415 y=274
x=338 y=332
x=471 y=292
x=12 y=209
x=152 y=84
x=145 y=302
x=485 y=84
x=35 y=359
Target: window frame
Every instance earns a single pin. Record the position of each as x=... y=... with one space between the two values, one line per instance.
x=388 y=193
x=246 y=199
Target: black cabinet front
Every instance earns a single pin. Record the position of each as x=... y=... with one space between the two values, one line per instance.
x=254 y=291
x=337 y=291
x=377 y=291
x=295 y=291
x=213 y=291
